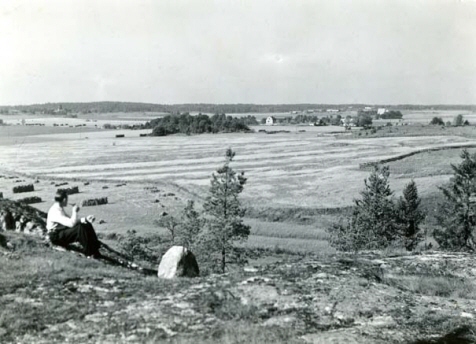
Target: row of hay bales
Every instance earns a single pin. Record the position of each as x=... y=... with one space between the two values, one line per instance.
x=69 y=191
x=122 y=135
x=23 y=188
x=94 y=201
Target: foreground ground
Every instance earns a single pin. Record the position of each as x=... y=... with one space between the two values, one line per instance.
x=55 y=297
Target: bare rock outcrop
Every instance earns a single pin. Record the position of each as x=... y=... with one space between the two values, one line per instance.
x=178 y=261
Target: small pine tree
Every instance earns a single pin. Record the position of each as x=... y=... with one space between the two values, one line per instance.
x=224 y=213
x=410 y=216
x=457 y=214
x=373 y=223
x=189 y=228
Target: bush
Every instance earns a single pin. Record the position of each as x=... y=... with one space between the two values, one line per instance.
x=136 y=247
x=437 y=121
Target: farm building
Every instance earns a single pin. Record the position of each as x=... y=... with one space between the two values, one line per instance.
x=271 y=120
x=381 y=111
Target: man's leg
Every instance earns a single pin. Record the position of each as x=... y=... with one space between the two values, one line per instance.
x=88 y=239
x=65 y=236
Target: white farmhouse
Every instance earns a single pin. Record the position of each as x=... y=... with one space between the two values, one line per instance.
x=270 y=120
x=381 y=111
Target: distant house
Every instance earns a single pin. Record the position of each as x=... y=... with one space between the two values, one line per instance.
x=271 y=120
x=381 y=111
x=332 y=110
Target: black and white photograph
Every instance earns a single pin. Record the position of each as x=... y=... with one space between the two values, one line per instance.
x=238 y=172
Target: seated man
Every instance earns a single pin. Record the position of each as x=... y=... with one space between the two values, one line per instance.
x=64 y=230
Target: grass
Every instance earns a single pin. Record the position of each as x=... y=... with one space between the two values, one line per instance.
x=242 y=333
x=441 y=286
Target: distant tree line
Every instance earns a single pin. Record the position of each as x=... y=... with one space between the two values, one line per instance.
x=199 y=124
x=105 y=107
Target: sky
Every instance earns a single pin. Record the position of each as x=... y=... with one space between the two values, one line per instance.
x=256 y=51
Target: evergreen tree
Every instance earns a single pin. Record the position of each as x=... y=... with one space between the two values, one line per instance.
x=457 y=214
x=410 y=215
x=224 y=211
x=373 y=223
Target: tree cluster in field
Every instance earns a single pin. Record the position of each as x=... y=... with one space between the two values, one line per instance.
x=379 y=221
x=390 y=115
x=458 y=121
x=69 y=191
x=212 y=234
x=23 y=188
x=198 y=124
x=94 y=201
x=30 y=200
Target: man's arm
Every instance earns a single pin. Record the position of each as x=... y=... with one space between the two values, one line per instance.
x=61 y=218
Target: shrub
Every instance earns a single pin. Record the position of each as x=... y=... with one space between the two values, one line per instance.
x=437 y=121
x=136 y=247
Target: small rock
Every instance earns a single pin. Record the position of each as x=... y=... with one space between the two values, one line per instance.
x=466 y=315
x=383 y=321
x=250 y=269
x=322 y=275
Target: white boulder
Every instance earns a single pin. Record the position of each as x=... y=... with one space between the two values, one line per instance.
x=178 y=261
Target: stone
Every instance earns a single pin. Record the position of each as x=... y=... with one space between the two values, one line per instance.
x=178 y=261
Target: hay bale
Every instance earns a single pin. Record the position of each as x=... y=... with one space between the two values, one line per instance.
x=23 y=188
x=120 y=135
x=70 y=191
x=94 y=201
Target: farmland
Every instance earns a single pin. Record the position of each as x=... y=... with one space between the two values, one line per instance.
x=297 y=175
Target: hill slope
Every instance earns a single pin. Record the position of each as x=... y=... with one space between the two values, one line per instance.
x=49 y=296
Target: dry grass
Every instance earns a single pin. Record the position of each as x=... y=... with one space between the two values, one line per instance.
x=441 y=286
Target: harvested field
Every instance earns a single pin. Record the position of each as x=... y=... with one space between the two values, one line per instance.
x=286 y=171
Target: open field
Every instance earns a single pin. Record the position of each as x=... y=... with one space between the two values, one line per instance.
x=315 y=169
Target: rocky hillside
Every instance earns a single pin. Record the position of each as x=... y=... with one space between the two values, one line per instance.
x=48 y=296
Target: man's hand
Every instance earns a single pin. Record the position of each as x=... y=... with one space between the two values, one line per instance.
x=76 y=208
x=90 y=218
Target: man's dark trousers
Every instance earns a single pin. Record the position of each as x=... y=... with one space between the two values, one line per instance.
x=83 y=233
